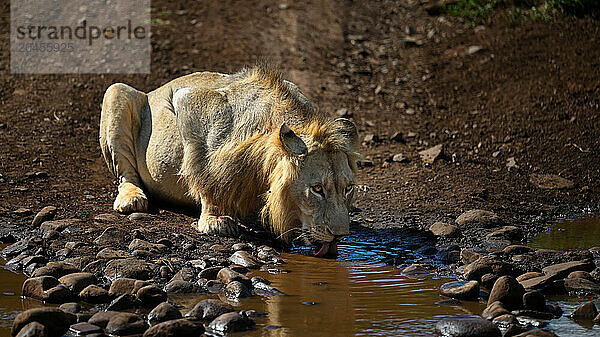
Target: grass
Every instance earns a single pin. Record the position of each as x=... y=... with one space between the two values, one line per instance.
x=481 y=11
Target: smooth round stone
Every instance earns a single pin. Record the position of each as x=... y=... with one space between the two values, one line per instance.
x=467 y=326
x=462 y=290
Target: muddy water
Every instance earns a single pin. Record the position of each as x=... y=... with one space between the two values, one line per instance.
x=570 y=234
x=10 y=297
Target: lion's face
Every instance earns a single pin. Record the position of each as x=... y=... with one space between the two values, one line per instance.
x=314 y=187
x=322 y=194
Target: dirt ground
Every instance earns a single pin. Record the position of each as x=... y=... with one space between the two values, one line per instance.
x=527 y=95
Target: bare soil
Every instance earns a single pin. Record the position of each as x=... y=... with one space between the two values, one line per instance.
x=530 y=93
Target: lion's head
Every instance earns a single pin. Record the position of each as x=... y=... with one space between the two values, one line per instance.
x=312 y=186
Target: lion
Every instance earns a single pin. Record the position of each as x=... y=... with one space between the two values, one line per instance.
x=232 y=146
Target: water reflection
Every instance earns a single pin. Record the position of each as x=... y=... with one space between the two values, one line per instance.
x=570 y=234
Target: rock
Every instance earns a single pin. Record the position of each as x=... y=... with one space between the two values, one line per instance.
x=139 y=244
x=109 y=254
x=543 y=315
x=236 y=289
x=536 y=333
x=129 y=268
x=263 y=289
x=209 y=273
x=488 y=280
x=182 y=287
x=430 y=155
x=214 y=287
x=101 y=318
x=575 y=274
x=187 y=274
x=124 y=285
x=95 y=267
x=125 y=323
x=58 y=225
x=529 y=275
x=550 y=181
x=200 y=264
x=55 y=321
x=581 y=287
x=227 y=275
x=397 y=137
x=85 y=329
x=151 y=295
x=17 y=248
x=562 y=270
x=467 y=327
x=94 y=294
x=462 y=290
x=122 y=302
x=478 y=217
x=139 y=217
x=231 y=322
x=534 y=300
x=507 y=232
x=486 y=265
x=175 y=328
x=371 y=138
x=418 y=269
x=516 y=250
x=245 y=259
x=72 y=307
x=33 y=329
x=494 y=310
x=468 y=256
x=253 y=314
x=443 y=229
x=111 y=236
x=343 y=112
x=56 y=269
x=209 y=309
x=508 y=291
x=47 y=289
x=400 y=158
x=46 y=214
x=505 y=320
x=76 y=282
x=163 y=312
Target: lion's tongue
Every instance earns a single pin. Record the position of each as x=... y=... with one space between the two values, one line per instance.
x=328 y=248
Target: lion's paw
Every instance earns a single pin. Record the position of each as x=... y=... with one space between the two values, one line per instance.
x=218 y=225
x=130 y=199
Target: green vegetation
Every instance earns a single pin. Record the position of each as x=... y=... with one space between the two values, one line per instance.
x=480 y=11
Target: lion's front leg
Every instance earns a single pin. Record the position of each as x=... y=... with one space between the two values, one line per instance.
x=213 y=222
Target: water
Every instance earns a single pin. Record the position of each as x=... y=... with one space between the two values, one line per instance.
x=581 y=232
x=10 y=297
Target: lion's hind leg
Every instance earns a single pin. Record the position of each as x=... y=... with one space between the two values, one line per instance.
x=119 y=131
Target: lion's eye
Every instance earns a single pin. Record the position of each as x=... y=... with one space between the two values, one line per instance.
x=349 y=188
x=318 y=189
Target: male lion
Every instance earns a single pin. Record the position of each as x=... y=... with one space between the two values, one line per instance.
x=236 y=145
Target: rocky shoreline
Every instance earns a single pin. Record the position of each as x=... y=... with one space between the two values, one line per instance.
x=123 y=266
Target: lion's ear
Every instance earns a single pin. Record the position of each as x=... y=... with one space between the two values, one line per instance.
x=291 y=142
x=348 y=130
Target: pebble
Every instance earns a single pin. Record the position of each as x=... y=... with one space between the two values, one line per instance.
x=494 y=310
x=151 y=295
x=17 y=248
x=109 y=254
x=55 y=321
x=462 y=290
x=72 y=307
x=418 y=269
x=111 y=236
x=468 y=256
x=45 y=214
x=139 y=217
x=264 y=289
x=508 y=291
x=586 y=310
x=85 y=329
x=187 y=274
x=125 y=285
x=122 y=302
x=139 y=244
x=47 y=289
x=125 y=323
x=182 y=287
x=245 y=259
x=486 y=265
x=129 y=268
x=443 y=229
x=33 y=329
x=101 y=318
x=56 y=269
x=227 y=275
x=107 y=218
x=163 y=312
x=231 y=322
x=176 y=327
x=478 y=217
x=209 y=309
x=430 y=155
x=236 y=289
x=94 y=294
x=488 y=280
x=76 y=282
x=467 y=327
